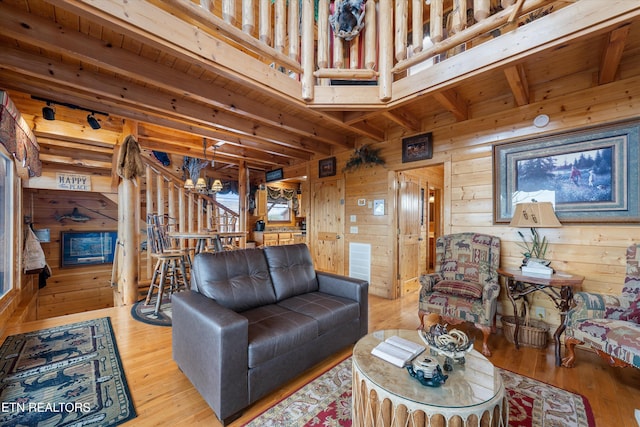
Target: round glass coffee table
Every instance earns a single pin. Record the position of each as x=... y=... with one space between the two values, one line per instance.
x=385 y=395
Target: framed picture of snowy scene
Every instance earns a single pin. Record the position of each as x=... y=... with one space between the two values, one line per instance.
x=590 y=175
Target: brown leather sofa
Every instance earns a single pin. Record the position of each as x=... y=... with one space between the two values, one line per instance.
x=256 y=318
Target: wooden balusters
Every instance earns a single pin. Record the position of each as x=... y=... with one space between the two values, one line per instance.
x=481 y=9
x=265 y=22
x=417 y=33
x=385 y=78
x=248 y=18
x=229 y=11
x=436 y=21
x=370 y=36
x=323 y=33
x=280 y=27
x=402 y=19
x=308 y=79
x=294 y=30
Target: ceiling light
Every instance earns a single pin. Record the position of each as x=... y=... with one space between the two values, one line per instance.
x=93 y=122
x=217 y=186
x=48 y=112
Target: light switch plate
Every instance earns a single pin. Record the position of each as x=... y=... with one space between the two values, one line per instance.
x=353 y=218
x=353 y=229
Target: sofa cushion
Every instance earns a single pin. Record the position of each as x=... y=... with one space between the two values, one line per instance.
x=292 y=271
x=619 y=338
x=237 y=280
x=330 y=311
x=459 y=288
x=274 y=330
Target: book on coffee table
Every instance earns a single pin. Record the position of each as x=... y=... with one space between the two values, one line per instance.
x=398 y=351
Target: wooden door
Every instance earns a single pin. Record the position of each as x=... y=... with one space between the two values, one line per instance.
x=409 y=207
x=327 y=244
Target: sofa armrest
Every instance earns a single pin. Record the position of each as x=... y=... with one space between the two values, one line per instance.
x=210 y=347
x=350 y=288
x=427 y=281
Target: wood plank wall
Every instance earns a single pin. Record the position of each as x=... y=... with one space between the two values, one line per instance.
x=71 y=289
x=465 y=150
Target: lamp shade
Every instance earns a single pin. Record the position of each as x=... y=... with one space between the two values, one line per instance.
x=188 y=183
x=535 y=214
x=216 y=186
x=201 y=184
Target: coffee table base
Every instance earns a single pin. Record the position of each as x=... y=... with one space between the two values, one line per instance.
x=375 y=407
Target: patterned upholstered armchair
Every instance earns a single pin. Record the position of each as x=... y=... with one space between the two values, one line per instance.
x=607 y=323
x=464 y=287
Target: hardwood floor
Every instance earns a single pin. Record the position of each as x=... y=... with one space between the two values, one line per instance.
x=163 y=396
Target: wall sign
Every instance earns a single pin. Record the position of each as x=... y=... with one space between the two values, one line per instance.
x=274 y=175
x=73 y=181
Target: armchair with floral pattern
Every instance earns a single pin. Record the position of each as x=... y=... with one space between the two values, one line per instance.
x=465 y=286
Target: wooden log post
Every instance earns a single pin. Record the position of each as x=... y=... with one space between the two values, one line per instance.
x=385 y=79
x=207 y=5
x=243 y=191
x=402 y=20
x=323 y=33
x=417 y=33
x=458 y=16
x=370 y=35
x=229 y=11
x=248 y=17
x=294 y=30
x=265 y=22
x=338 y=48
x=436 y=21
x=150 y=210
x=128 y=217
x=280 y=25
x=308 y=53
x=481 y=9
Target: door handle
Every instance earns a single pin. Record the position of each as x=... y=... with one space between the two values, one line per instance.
x=337 y=237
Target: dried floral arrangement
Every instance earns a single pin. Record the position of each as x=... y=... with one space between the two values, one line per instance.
x=364 y=156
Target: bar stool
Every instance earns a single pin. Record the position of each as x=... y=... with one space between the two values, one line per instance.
x=171 y=263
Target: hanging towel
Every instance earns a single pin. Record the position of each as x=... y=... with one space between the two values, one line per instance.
x=130 y=164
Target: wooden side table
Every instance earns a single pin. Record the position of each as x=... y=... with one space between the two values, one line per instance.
x=558 y=287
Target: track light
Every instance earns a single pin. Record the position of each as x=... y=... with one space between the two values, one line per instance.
x=93 y=122
x=48 y=112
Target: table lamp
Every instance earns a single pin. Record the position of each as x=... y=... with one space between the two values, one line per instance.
x=534 y=215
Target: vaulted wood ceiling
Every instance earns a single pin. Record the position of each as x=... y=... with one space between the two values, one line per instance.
x=69 y=52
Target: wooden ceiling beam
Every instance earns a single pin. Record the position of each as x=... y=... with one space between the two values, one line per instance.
x=517 y=79
x=110 y=92
x=403 y=120
x=47 y=35
x=452 y=101
x=612 y=54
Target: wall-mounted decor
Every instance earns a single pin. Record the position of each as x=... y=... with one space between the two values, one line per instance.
x=417 y=147
x=274 y=175
x=591 y=175
x=87 y=247
x=364 y=156
x=327 y=167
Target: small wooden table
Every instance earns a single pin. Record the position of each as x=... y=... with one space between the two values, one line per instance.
x=559 y=287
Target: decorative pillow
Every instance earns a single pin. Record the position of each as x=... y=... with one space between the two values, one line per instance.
x=632 y=314
x=459 y=288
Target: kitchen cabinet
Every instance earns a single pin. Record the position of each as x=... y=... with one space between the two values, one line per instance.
x=267 y=238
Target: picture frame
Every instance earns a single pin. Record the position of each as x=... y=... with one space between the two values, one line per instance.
x=82 y=248
x=274 y=175
x=590 y=175
x=417 y=147
x=327 y=167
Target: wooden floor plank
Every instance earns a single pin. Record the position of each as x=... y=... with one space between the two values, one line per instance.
x=163 y=396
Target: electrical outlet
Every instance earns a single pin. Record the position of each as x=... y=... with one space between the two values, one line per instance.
x=540 y=313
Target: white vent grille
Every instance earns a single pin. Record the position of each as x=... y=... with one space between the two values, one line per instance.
x=360 y=261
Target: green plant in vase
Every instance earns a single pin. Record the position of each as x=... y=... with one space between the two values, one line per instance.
x=536 y=248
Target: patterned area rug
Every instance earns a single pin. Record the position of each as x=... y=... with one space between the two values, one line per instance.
x=145 y=313
x=326 y=401
x=64 y=376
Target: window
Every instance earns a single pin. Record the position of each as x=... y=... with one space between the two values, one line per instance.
x=278 y=210
x=6 y=229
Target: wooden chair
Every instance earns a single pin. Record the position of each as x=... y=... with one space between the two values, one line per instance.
x=171 y=261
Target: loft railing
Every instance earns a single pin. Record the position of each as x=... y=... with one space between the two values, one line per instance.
x=295 y=36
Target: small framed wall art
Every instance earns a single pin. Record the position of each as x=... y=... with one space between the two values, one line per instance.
x=327 y=167
x=417 y=147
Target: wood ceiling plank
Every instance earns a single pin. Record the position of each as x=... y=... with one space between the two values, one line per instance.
x=452 y=101
x=50 y=36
